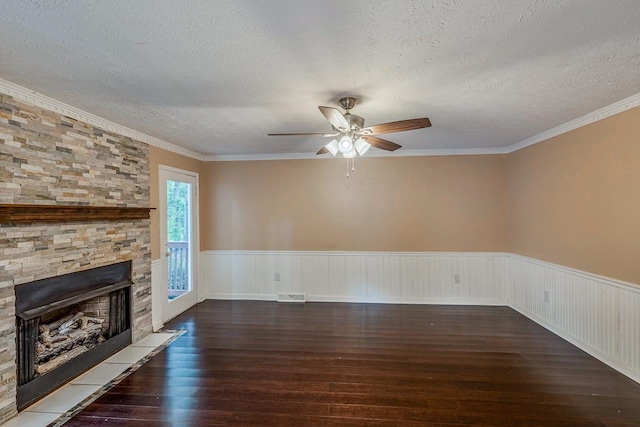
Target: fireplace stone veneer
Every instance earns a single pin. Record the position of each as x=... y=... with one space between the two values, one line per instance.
x=50 y=159
x=33 y=252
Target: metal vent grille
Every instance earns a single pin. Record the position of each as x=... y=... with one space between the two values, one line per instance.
x=291 y=297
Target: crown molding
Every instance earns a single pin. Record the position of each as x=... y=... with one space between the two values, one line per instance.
x=377 y=153
x=32 y=97
x=602 y=113
x=608 y=111
x=27 y=95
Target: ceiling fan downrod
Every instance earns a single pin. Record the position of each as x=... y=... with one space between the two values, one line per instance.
x=347 y=103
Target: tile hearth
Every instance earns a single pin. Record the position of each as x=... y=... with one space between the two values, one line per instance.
x=64 y=402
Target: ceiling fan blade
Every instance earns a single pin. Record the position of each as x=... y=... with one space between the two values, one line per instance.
x=381 y=143
x=323 y=150
x=336 y=118
x=399 y=126
x=325 y=135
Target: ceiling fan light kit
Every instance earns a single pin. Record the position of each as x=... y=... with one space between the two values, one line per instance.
x=350 y=155
x=333 y=147
x=351 y=137
x=362 y=146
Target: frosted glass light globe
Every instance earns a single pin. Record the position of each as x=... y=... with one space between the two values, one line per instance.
x=345 y=145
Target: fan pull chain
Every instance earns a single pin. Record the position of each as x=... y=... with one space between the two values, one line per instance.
x=353 y=165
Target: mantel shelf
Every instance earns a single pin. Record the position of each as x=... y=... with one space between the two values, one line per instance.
x=20 y=214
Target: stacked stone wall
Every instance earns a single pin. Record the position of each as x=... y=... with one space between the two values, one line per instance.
x=48 y=158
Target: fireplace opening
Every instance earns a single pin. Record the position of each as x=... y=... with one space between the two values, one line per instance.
x=68 y=324
x=67 y=333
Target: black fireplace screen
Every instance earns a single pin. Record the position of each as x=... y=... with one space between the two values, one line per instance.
x=37 y=300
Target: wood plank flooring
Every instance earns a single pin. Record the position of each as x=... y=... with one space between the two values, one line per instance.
x=268 y=364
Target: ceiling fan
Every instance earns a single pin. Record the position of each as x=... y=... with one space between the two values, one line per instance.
x=350 y=135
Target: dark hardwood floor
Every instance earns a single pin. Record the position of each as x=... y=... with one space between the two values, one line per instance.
x=270 y=364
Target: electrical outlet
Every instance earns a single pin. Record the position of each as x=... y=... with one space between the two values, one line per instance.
x=456 y=279
x=547 y=296
x=276 y=277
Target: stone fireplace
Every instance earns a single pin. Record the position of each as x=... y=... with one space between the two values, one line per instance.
x=89 y=176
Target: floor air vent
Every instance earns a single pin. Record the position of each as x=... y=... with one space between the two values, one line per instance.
x=291 y=298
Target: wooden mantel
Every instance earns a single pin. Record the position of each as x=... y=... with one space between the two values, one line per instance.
x=20 y=214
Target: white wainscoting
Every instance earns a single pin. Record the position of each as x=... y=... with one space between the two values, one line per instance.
x=156 y=296
x=385 y=277
x=597 y=314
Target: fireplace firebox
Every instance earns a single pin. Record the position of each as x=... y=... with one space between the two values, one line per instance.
x=41 y=301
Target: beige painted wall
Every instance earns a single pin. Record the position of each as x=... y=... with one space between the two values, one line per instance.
x=157 y=157
x=574 y=200
x=452 y=203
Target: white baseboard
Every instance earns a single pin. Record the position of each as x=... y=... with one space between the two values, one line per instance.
x=391 y=300
x=248 y=297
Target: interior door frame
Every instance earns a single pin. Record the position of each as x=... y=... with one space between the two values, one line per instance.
x=194 y=252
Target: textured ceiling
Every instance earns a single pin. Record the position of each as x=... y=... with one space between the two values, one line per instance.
x=216 y=76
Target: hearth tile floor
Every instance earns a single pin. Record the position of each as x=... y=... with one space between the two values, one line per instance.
x=152 y=340
x=101 y=374
x=129 y=355
x=32 y=419
x=66 y=398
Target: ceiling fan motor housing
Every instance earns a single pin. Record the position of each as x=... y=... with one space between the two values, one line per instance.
x=347 y=103
x=355 y=122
